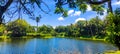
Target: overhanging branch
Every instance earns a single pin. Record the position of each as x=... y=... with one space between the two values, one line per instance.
x=25 y=8
x=98 y=2
x=7 y=5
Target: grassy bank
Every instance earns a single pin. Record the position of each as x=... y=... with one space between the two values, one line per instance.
x=4 y=37
x=95 y=39
x=83 y=38
x=37 y=35
x=112 y=52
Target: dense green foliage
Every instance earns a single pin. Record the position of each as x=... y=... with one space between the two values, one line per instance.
x=31 y=29
x=92 y=28
x=46 y=29
x=113 y=27
x=2 y=29
x=18 y=27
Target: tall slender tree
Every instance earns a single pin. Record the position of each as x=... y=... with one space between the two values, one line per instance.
x=37 y=21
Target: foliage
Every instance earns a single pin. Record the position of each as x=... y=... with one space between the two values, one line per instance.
x=2 y=29
x=18 y=27
x=113 y=27
x=38 y=20
x=81 y=5
x=89 y=29
x=96 y=27
x=46 y=29
x=30 y=29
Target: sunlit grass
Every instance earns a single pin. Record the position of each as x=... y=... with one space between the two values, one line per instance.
x=112 y=52
x=4 y=36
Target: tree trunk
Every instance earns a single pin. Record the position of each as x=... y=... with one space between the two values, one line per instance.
x=110 y=6
x=37 y=26
x=1 y=14
x=91 y=30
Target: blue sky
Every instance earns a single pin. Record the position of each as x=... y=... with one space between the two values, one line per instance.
x=56 y=19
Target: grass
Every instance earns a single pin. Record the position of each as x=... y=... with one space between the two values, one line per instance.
x=112 y=52
x=40 y=35
x=92 y=39
x=4 y=37
x=89 y=38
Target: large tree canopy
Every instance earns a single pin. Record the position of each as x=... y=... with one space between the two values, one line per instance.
x=12 y=7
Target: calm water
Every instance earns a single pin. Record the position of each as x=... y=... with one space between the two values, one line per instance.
x=53 y=46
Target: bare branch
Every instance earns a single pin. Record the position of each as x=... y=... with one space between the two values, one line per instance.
x=40 y=6
x=7 y=5
x=46 y=5
x=25 y=8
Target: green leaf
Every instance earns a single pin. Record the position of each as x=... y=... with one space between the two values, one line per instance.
x=83 y=7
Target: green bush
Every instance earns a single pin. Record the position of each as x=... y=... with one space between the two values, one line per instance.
x=18 y=28
x=2 y=29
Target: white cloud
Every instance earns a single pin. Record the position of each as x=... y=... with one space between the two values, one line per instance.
x=60 y=18
x=77 y=13
x=116 y=3
x=89 y=8
x=78 y=19
x=73 y=13
x=54 y=27
x=70 y=12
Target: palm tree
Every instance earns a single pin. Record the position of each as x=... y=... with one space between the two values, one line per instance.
x=38 y=20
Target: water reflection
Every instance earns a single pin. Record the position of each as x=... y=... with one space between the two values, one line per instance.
x=52 y=46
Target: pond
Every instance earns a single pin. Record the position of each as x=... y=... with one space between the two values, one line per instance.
x=53 y=46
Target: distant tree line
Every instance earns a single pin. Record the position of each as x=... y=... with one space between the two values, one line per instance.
x=94 y=27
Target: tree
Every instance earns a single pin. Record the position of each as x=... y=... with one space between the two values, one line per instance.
x=97 y=27
x=18 y=27
x=81 y=24
x=38 y=20
x=2 y=29
x=30 y=29
x=45 y=29
x=12 y=7
x=113 y=27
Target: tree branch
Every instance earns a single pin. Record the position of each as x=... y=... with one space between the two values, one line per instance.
x=7 y=5
x=25 y=8
x=98 y=2
x=41 y=8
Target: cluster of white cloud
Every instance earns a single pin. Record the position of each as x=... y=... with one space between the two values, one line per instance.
x=60 y=18
x=70 y=12
x=89 y=8
x=116 y=3
x=73 y=13
x=77 y=13
x=78 y=19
